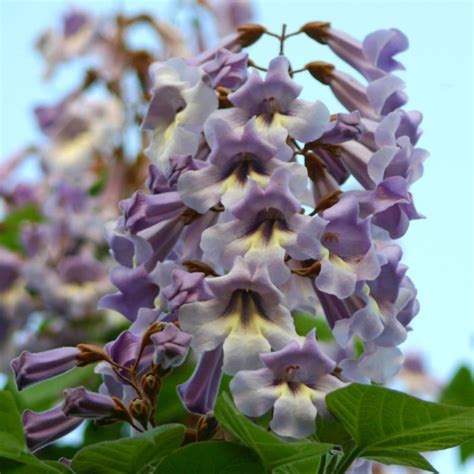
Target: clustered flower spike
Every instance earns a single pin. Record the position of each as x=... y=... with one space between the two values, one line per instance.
x=245 y=222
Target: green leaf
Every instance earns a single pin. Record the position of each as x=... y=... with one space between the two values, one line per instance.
x=211 y=457
x=305 y=322
x=273 y=452
x=460 y=391
x=329 y=430
x=10 y=421
x=401 y=458
x=379 y=418
x=129 y=455
x=10 y=226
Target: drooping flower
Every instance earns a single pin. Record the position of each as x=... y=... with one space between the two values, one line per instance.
x=180 y=104
x=236 y=158
x=31 y=368
x=373 y=58
x=246 y=317
x=294 y=383
x=274 y=101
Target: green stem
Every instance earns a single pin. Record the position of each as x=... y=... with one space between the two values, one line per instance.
x=346 y=460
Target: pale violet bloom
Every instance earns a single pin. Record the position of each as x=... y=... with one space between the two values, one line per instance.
x=236 y=157
x=246 y=316
x=341 y=241
x=274 y=102
x=263 y=227
x=180 y=104
x=294 y=383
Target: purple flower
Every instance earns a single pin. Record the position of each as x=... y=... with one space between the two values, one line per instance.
x=227 y=69
x=180 y=104
x=379 y=98
x=390 y=204
x=184 y=288
x=373 y=58
x=47 y=427
x=246 y=317
x=236 y=158
x=82 y=403
x=199 y=393
x=294 y=382
x=171 y=346
x=31 y=368
x=264 y=226
x=137 y=290
x=341 y=241
x=275 y=104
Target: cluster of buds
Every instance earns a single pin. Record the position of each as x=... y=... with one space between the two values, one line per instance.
x=246 y=222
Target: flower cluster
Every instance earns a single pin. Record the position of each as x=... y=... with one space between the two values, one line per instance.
x=244 y=224
x=54 y=259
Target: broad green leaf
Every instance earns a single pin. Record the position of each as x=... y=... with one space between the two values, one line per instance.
x=272 y=451
x=460 y=391
x=211 y=457
x=128 y=455
x=379 y=418
x=330 y=430
x=401 y=458
x=10 y=422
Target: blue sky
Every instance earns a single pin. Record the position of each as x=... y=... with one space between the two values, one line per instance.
x=439 y=249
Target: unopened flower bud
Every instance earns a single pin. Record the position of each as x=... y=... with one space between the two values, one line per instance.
x=30 y=368
x=151 y=384
x=86 y=404
x=250 y=33
x=320 y=70
x=140 y=410
x=316 y=30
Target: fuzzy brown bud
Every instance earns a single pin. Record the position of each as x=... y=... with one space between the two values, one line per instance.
x=321 y=71
x=140 y=410
x=317 y=30
x=250 y=33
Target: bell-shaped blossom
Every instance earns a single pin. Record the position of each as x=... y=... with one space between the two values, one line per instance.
x=246 y=317
x=82 y=403
x=379 y=98
x=47 y=427
x=341 y=241
x=372 y=312
x=274 y=101
x=293 y=383
x=227 y=69
x=199 y=393
x=373 y=57
x=264 y=225
x=171 y=346
x=31 y=368
x=180 y=104
x=237 y=156
x=390 y=204
x=184 y=288
x=137 y=289
x=377 y=364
